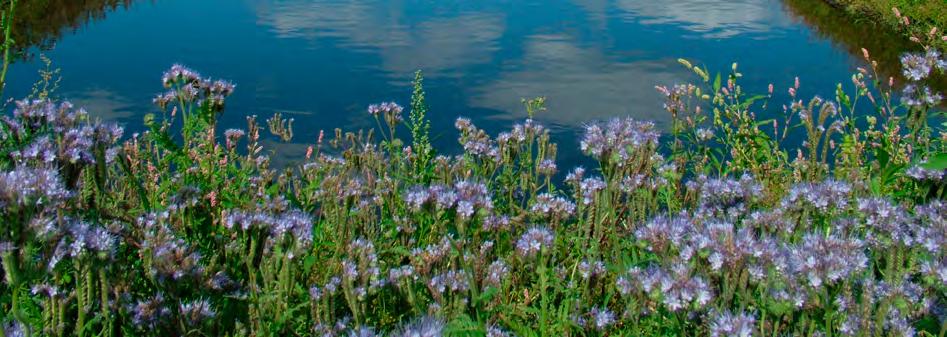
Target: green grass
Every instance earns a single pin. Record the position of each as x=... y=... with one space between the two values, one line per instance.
x=923 y=14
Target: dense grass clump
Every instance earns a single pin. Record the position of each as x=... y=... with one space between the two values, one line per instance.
x=725 y=226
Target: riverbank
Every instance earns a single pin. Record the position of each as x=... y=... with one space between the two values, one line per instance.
x=923 y=14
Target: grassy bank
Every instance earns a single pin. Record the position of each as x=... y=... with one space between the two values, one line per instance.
x=923 y=13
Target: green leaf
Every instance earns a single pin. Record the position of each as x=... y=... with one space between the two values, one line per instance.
x=937 y=162
x=487 y=295
x=717 y=83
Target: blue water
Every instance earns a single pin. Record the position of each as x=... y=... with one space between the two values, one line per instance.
x=322 y=62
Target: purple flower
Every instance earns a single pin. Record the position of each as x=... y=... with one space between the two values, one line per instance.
x=601 y=318
x=553 y=206
x=619 y=140
x=546 y=167
x=179 y=74
x=918 y=97
x=31 y=187
x=534 y=241
x=15 y=329
x=390 y=110
x=827 y=259
x=197 y=312
x=496 y=273
x=232 y=136
x=422 y=327
x=148 y=313
x=915 y=67
x=451 y=281
x=493 y=223
x=676 y=288
x=922 y=174
x=823 y=196
x=663 y=233
x=727 y=324
x=589 y=187
x=495 y=331
x=589 y=269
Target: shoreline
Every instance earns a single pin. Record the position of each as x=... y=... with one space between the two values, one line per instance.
x=881 y=12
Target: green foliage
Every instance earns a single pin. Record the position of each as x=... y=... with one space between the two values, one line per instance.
x=828 y=219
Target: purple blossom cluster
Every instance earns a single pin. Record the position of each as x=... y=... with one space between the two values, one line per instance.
x=31 y=187
x=186 y=86
x=675 y=287
x=292 y=223
x=823 y=260
x=822 y=196
x=553 y=206
x=534 y=241
x=496 y=273
x=170 y=257
x=727 y=324
x=476 y=142
x=725 y=197
x=79 y=238
x=619 y=140
x=465 y=197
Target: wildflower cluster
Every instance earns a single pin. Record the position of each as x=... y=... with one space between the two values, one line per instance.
x=724 y=228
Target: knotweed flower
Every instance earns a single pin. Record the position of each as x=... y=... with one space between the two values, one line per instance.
x=534 y=241
x=233 y=136
x=727 y=324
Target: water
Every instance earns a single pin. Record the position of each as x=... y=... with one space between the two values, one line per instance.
x=322 y=62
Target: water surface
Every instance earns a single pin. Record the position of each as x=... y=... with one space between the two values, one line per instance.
x=322 y=61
